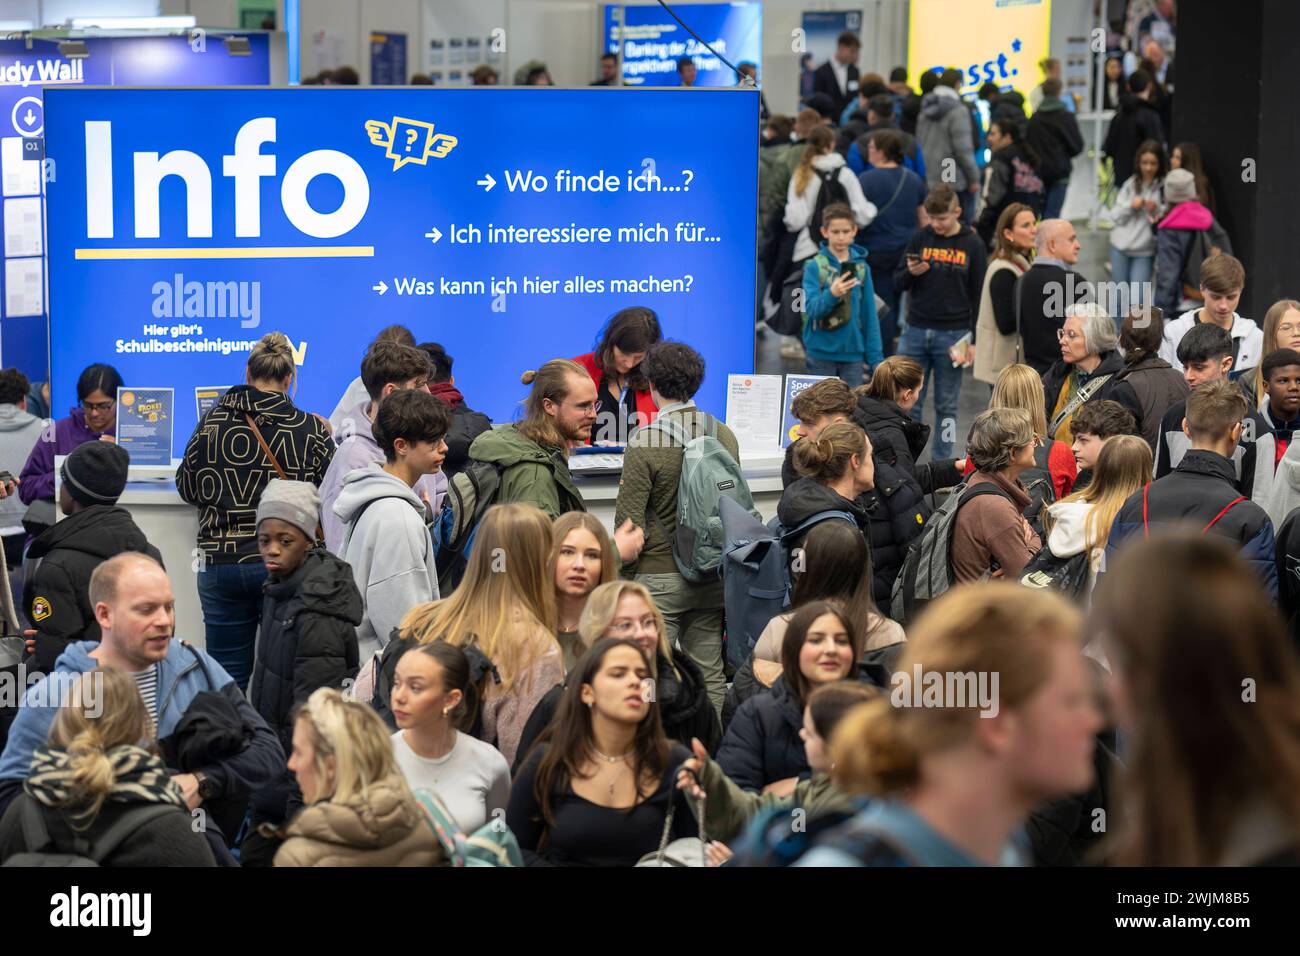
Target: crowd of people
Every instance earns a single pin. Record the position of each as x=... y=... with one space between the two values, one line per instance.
x=1075 y=644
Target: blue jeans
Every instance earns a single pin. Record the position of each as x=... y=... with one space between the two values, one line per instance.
x=1132 y=278
x=851 y=372
x=882 y=263
x=929 y=349
x=1055 y=199
x=967 y=200
x=231 y=596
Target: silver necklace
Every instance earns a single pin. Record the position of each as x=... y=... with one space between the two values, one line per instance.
x=622 y=756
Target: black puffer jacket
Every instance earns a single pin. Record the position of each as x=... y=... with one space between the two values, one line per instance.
x=762 y=743
x=308 y=638
x=684 y=708
x=466 y=425
x=897 y=512
x=57 y=597
x=898 y=440
x=806 y=497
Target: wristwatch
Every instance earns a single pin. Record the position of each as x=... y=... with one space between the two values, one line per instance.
x=207 y=786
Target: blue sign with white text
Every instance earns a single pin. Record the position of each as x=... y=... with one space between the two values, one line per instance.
x=144 y=424
x=653 y=41
x=330 y=213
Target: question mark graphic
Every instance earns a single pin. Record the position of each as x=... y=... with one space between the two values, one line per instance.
x=690 y=281
x=411 y=136
x=689 y=176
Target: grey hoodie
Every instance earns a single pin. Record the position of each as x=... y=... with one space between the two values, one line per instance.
x=944 y=132
x=19 y=433
x=389 y=549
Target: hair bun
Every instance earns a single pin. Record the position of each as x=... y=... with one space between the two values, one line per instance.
x=527 y=377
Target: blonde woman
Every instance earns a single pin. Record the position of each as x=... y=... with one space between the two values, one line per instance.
x=952 y=784
x=505 y=606
x=626 y=609
x=1019 y=386
x=582 y=559
x=1281 y=331
x=1081 y=522
x=254 y=434
x=359 y=810
x=92 y=775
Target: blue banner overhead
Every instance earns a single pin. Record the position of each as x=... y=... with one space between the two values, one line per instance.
x=506 y=224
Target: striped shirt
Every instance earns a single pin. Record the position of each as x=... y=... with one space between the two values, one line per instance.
x=147 y=681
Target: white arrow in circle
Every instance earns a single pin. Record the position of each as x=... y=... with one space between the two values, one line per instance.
x=487 y=182
x=435 y=235
x=30 y=118
x=381 y=288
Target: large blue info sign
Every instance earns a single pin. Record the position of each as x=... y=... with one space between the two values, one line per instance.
x=506 y=224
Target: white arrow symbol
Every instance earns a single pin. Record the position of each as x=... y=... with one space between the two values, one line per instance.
x=381 y=288
x=30 y=118
x=487 y=182
x=435 y=235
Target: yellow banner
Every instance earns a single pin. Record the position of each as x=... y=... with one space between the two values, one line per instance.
x=1000 y=41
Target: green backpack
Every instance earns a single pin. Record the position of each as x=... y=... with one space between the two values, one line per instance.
x=709 y=473
x=492 y=844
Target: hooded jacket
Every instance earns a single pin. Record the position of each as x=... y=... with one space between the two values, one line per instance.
x=806 y=497
x=1134 y=122
x=1185 y=225
x=1151 y=387
x=57 y=596
x=899 y=440
x=217 y=476
x=388 y=546
x=355 y=451
x=762 y=743
x=858 y=338
x=184 y=673
x=1010 y=177
x=1053 y=133
x=38 y=474
x=1069 y=534
x=529 y=473
x=383 y=826
x=800 y=206
x=1200 y=491
x=944 y=132
x=1247 y=343
x=308 y=638
x=1284 y=492
x=1134 y=234
x=19 y=433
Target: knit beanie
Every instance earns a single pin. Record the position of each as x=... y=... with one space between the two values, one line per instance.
x=1180 y=186
x=296 y=502
x=95 y=472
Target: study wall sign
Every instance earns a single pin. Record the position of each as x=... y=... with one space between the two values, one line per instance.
x=186 y=224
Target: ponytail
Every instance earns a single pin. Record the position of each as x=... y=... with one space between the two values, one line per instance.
x=826 y=457
x=894 y=376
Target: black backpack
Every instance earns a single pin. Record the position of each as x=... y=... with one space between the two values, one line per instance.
x=470 y=493
x=41 y=851
x=831 y=191
x=1067 y=576
x=1039 y=486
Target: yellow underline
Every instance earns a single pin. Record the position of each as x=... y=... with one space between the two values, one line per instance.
x=231 y=252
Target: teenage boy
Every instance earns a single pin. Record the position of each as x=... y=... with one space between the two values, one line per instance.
x=385 y=539
x=1222 y=280
x=387 y=368
x=1200 y=491
x=1092 y=426
x=840 y=327
x=943 y=268
x=1205 y=355
x=94 y=529
x=1281 y=414
x=647 y=495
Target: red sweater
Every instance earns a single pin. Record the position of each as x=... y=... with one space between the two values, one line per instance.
x=645 y=405
x=1060 y=464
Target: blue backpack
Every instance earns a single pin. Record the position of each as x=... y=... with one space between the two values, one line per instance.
x=756 y=572
x=492 y=844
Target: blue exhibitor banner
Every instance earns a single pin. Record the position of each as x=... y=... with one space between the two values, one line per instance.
x=507 y=224
x=653 y=41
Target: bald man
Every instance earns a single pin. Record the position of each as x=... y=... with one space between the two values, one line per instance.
x=1044 y=292
x=136 y=612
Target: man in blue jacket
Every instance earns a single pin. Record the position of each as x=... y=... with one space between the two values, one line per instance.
x=1200 y=492
x=133 y=604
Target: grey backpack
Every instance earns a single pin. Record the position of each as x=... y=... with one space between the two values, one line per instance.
x=927 y=569
x=41 y=851
x=709 y=474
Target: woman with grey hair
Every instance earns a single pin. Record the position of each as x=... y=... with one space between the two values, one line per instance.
x=991 y=537
x=1089 y=360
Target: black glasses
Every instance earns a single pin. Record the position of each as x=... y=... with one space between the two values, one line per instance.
x=98 y=406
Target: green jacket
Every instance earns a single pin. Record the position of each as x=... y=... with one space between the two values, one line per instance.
x=530 y=474
x=728 y=809
x=776 y=164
